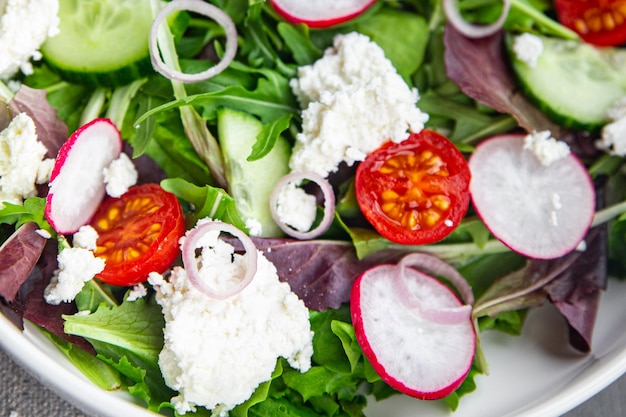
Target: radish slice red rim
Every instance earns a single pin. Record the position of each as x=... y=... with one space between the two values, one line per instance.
x=536 y=210
x=417 y=356
x=431 y=265
x=329 y=204
x=207 y=10
x=77 y=180
x=193 y=241
x=471 y=30
x=320 y=13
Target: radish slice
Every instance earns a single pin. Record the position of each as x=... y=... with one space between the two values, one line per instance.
x=471 y=30
x=320 y=14
x=77 y=178
x=415 y=355
x=194 y=241
x=205 y=9
x=540 y=211
x=329 y=204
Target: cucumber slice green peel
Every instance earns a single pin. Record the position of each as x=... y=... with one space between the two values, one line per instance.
x=101 y=42
x=574 y=83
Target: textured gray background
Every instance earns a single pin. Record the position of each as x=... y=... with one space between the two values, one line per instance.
x=21 y=395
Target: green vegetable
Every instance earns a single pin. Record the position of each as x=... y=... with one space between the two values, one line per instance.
x=101 y=42
x=251 y=182
x=574 y=83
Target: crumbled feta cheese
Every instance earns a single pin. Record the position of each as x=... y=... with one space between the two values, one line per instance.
x=545 y=147
x=353 y=101
x=120 y=175
x=21 y=156
x=613 y=137
x=296 y=208
x=217 y=352
x=24 y=27
x=528 y=48
x=138 y=291
x=255 y=228
x=85 y=238
x=76 y=266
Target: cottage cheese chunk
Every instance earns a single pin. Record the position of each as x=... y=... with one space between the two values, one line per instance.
x=76 y=266
x=613 y=138
x=217 y=352
x=21 y=160
x=528 y=48
x=546 y=148
x=353 y=101
x=24 y=27
x=120 y=175
x=296 y=208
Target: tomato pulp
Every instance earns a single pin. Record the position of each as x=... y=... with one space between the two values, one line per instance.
x=138 y=233
x=599 y=22
x=414 y=192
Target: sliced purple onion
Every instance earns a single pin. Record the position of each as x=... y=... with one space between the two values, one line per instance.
x=431 y=265
x=471 y=30
x=190 y=244
x=205 y=9
x=329 y=204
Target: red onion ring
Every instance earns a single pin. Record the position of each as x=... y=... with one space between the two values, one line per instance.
x=190 y=244
x=329 y=204
x=428 y=264
x=205 y=9
x=471 y=30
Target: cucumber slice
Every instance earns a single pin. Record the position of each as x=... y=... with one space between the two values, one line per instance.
x=251 y=183
x=573 y=83
x=101 y=42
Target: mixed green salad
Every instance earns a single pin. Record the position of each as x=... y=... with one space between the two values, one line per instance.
x=214 y=148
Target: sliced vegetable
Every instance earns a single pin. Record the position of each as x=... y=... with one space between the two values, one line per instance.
x=87 y=49
x=204 y=9
x=597 y=74
x=198 y=239
x=472 y=30
x=541 y=211
x=423 y=358
x=599 y=22
x=77 y=179
x=414 y=192
x=251 y=182
x=138 y=233
x=297 y=178
x=320 y=14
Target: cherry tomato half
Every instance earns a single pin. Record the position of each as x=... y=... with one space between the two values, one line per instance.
x=414 y=192
x=138 y=234
x=600 y=22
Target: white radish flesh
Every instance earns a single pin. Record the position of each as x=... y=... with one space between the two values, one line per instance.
x=538 y=211
x=77 y=179
x=320 y=14
x=417 y=356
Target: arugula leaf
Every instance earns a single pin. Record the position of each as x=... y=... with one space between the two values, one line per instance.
x=32 y=210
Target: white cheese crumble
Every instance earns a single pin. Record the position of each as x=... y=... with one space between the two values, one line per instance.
x=24 y=27
x=76 y=266
x=21 y=160
x=85 y=238
x=255 y=228
x=138 y=291
x=546 y=148
x=613 y=137
x=217 y=352
x=120 y=175
x=353 y=101
x=296 y=208
x=528 y=48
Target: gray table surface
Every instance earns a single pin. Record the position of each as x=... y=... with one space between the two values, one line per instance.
x=21 y=395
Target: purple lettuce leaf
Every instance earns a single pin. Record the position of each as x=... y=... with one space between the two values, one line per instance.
x=320 y=272
x=51 y=131
x=18 y=256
